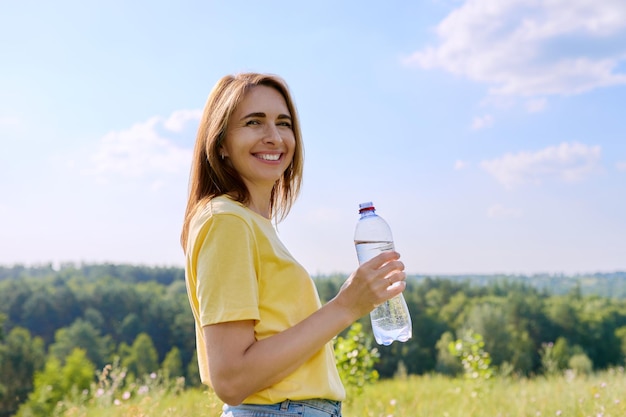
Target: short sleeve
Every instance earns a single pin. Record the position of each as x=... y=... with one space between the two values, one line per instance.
x=227 y=286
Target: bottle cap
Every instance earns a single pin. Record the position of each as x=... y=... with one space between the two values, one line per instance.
x=366 y=206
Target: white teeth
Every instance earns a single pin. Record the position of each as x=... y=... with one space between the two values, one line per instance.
x=268 y=157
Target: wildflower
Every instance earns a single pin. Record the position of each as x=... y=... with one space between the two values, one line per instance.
x=392 y=402
x=603 y=385
x=558 y=412
x=596 y=395
x=143 y=390
x=126 y=395
x=153 y=375
x=99 y=392
x=117 y=402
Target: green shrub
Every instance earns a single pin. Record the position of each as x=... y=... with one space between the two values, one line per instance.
x=56 y=381
x=475 y=360
x=581 y=364
x=356 y=358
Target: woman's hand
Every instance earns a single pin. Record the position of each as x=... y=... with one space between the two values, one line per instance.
x=374 y=282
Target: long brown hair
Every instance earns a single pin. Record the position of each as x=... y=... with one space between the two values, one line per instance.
x=211 y=176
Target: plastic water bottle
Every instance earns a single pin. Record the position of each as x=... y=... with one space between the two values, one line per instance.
x=390 y=320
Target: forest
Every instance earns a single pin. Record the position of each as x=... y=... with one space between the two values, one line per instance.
x=139 y=316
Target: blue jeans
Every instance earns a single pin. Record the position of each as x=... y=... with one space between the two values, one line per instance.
x=288 y=408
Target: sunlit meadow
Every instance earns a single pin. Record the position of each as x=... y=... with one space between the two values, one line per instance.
x=597 y=395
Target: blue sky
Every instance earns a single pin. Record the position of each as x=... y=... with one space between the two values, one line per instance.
x=490 y=134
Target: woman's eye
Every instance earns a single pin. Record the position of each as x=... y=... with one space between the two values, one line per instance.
x=284 y=124
x=252 y=122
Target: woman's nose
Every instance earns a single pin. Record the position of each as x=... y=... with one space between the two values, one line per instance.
x=272 y=134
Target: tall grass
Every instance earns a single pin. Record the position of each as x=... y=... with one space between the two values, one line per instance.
x=189 y=403
x=568 y=395
x=600 y=395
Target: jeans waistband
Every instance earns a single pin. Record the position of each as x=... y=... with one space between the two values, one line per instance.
x=310 y=407
x=329 y=406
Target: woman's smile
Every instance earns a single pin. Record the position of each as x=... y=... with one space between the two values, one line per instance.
x=269 y=156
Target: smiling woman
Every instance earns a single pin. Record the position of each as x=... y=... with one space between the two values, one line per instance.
x=264 y=340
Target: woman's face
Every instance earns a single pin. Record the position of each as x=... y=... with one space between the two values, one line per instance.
x=259 y=140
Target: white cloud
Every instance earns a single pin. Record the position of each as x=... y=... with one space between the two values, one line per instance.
x=482 y=122
x=179 y=119
x=532 y=47
x=621 y=166
x=459 y=165
x=143 y=150
x=498 y=211
x=566 y=162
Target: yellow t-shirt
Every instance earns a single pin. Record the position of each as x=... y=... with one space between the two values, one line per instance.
x=238 y=269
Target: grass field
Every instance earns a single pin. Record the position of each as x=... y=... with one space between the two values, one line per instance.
x=599 y=395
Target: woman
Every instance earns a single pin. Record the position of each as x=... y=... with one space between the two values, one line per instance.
x=264 y=341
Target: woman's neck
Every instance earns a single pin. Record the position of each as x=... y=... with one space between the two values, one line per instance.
x=260 y=203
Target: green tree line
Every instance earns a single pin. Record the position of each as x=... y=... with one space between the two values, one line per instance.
x=54 y=321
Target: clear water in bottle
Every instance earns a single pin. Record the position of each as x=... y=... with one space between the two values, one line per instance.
x=367 y=250
x=390 y=320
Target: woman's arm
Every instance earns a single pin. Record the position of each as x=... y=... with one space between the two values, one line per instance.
x=240 y=365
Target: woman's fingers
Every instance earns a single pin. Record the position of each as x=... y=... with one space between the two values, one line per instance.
x=392 y=267
x=392 y=285
x=381 y=259
x=374 y=282
x=389 y=276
